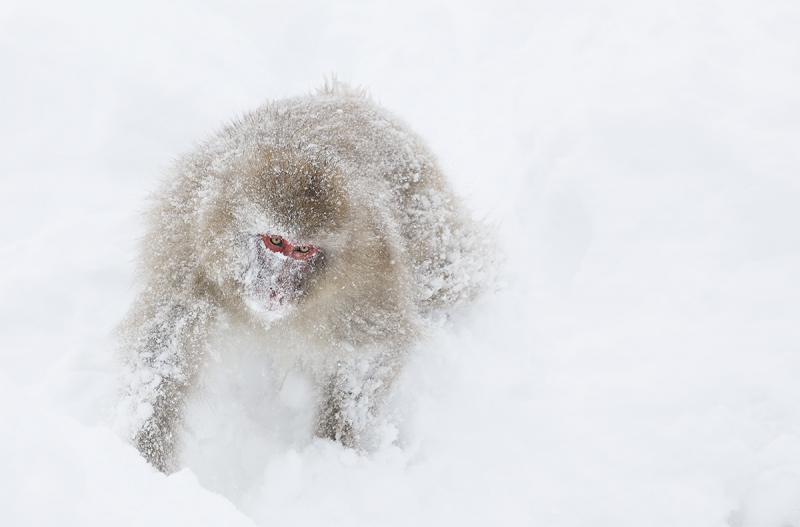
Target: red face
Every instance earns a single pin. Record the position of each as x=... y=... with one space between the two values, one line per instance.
x=279 y=244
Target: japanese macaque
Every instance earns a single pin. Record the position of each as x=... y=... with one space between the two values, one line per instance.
x=321 y=224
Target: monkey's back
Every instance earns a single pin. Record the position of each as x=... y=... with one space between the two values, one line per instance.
x=387 y=165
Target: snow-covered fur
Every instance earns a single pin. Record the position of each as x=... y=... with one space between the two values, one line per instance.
x=333 y=169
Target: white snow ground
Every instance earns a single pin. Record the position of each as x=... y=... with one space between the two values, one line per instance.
x=642 y=160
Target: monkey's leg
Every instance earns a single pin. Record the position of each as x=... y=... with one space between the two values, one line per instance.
x=164 y=351
x=352 y=400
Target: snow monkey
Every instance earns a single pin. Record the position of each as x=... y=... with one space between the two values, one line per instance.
x=321 y=224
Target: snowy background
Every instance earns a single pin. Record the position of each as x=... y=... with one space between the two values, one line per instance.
x=641 y=366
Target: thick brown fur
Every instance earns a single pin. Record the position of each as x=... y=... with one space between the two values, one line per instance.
x=332 y=169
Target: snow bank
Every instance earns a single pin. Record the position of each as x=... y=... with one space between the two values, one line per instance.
x=640 y=365
x=57 y=471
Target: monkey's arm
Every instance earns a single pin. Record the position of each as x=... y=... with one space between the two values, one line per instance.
x=163 y=341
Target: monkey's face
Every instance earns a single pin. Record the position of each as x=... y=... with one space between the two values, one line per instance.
x=277 y=274
x=277 y=208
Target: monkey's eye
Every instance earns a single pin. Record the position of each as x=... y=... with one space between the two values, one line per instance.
x=278 y=244
x=304 y=252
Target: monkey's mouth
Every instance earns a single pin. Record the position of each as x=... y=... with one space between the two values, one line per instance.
x=275 y=291
x=270 y=304
x=277 y=296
